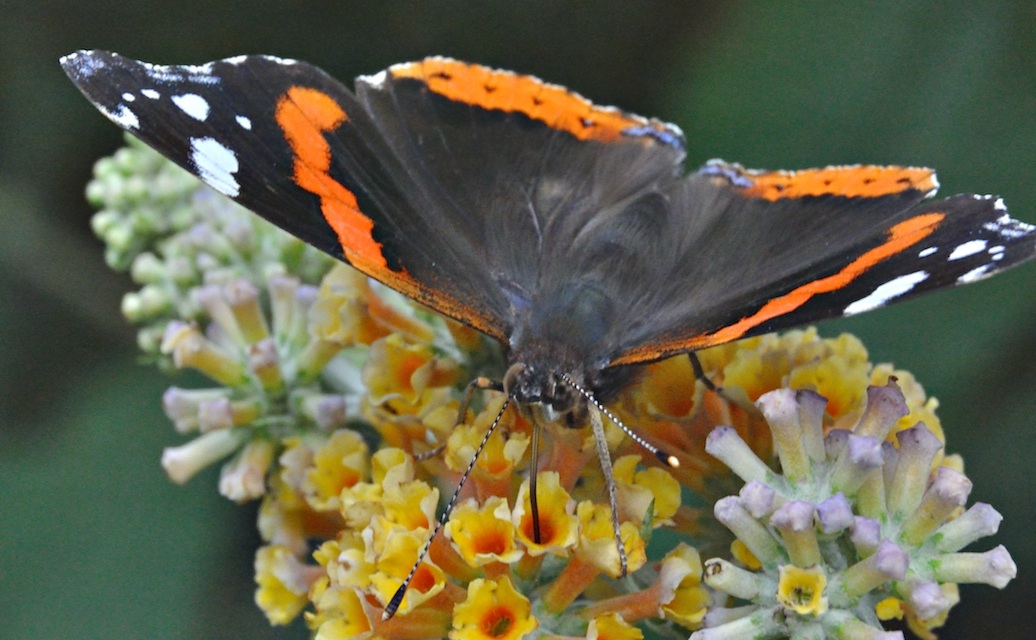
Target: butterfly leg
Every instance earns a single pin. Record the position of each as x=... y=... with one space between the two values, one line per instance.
x=597 y=425
x=699 y=373
x=479 y=383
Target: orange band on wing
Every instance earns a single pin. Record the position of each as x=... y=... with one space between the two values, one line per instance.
x=862 y=181
x=551 y=104
x=305 y=115
x=900 y=237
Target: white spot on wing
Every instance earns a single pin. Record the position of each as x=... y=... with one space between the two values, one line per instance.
x=969 y=248
x=193 y=105
x=975 y=274
x=244 y=122
x=150 y=93
x=997 y=252
x=123 y=116
x=1009 y=228
x=216 y=165
x=376 y=80
x=129 y=97
x=886 y=292
x=927 y=252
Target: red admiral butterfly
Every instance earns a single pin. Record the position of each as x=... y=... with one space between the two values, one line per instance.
x=567 y=230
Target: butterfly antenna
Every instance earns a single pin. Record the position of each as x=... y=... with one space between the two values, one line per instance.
x=666 y=457
x=397 y=598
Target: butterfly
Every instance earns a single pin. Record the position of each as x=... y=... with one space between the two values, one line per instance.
x=570 y=232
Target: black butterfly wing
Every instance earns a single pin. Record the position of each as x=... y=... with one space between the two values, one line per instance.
x=531 y=214
x=762 y=251
x=294 y=145
x=520 y=170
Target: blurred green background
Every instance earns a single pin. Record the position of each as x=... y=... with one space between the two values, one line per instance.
x=96 y=542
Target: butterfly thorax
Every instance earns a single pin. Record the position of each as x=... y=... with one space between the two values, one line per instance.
x=565 y=334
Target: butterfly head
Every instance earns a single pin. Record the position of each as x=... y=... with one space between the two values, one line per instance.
x=562 y=391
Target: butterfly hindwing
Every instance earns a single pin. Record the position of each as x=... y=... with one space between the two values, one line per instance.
x=800 y=247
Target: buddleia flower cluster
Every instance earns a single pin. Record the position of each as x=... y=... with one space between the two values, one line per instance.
x=813 y=497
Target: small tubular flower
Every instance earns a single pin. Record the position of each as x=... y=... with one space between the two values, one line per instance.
x=848 y=534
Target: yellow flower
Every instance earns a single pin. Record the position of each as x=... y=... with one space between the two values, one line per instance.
x=652 y=488
x=339 y=464
x=411 y=504
x=683 y=598
x=611 y=626
x=559 y=527
x=347 y=311
x=391 y=466
x=483 y=534
x=669 y=389
x=891 y=608
x=494 y=472
x=835 y=368
x=339 y=615
x=406 y=376
x=345 y=561
x=802 y=590
x=740 y=552
x=597 y=540
x=283 y=583
x=394 y=560
x=493 y=610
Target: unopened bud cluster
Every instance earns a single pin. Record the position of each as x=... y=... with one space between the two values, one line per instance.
x=855 y=528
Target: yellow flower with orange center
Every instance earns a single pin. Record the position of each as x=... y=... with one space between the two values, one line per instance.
x=836 y=368
x=394 y=560
x=669 y=389
x=411 y=504
x=483 y=534
x=494 y=471
x=345 y=561
x=406 y=376
x=347 y=311
x=559 y=526
x=493 y=610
